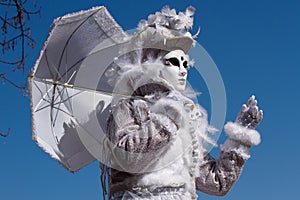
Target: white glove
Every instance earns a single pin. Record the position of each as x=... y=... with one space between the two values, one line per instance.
x=250 y=116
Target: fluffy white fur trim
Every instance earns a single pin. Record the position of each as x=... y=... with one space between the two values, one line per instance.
x=170 y=108
x=242 y=134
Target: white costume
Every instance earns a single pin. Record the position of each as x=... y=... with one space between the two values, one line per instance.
x=158 y=133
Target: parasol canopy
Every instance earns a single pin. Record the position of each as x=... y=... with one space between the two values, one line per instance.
x=57 y=85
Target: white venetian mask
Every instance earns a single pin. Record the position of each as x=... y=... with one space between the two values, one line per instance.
x=175 y=70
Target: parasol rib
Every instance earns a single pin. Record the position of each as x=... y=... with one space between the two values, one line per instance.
x=67 y=42
x=84 y=89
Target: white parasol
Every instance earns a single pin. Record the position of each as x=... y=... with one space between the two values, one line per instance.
x=55 y=90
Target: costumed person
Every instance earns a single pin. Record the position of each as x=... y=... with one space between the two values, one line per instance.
x=156 y=133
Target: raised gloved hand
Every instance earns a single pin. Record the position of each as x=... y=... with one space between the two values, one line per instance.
x=250 y=116
x=242 y=131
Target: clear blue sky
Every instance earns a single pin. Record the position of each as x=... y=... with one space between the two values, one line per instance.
x=255 y=45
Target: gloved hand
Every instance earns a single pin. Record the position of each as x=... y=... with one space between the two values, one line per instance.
x=242 y=130
x=250 y=116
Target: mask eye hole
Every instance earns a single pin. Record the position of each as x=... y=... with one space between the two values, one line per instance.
x=185 y=65
x=174 y=61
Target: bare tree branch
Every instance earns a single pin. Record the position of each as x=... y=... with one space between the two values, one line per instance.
x=22 y=87
x=15 y=36
x=15 y=40
x=5 y=134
